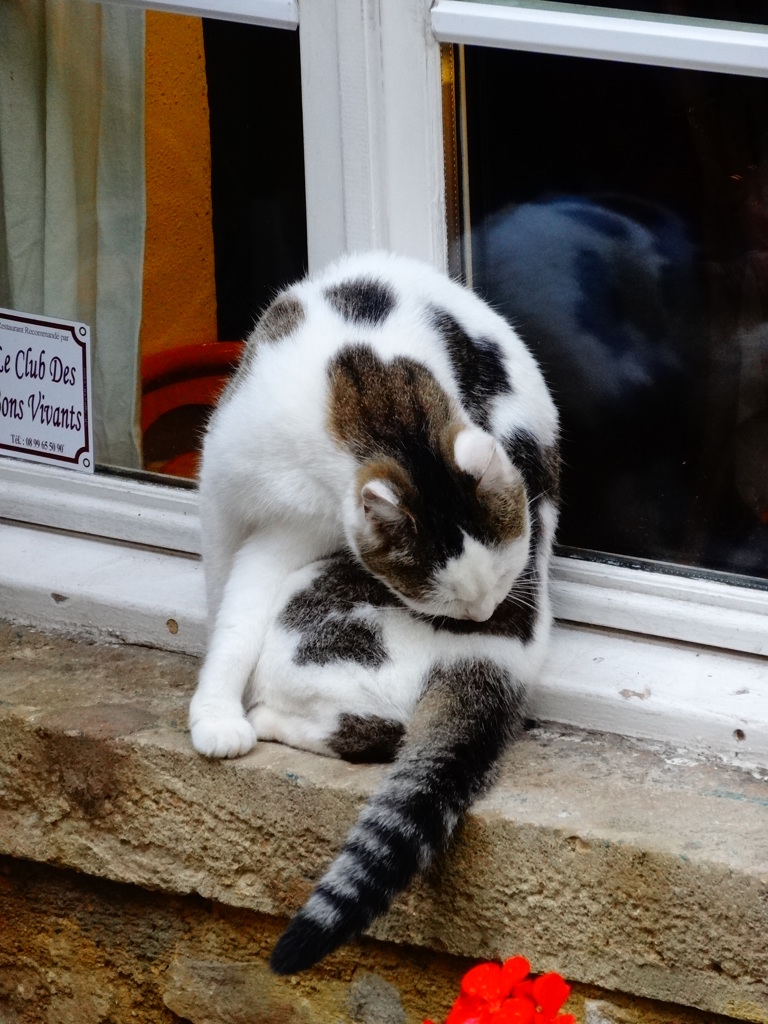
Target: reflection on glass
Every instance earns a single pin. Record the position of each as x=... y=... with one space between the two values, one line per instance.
x=617 y=214
x=151 y=185
x=748 y=11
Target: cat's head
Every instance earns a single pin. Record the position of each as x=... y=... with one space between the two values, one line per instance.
x=446 y=527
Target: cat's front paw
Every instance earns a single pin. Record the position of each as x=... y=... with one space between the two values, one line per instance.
x=223 y=735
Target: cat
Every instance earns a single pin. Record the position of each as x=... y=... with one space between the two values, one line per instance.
x=378 y=495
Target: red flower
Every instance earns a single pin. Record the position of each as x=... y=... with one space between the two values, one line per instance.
x=515 y=1011
x=494 y=993
x=550 y=992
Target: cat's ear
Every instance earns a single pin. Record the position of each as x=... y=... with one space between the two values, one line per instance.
x=381 y=503
x=478 y=453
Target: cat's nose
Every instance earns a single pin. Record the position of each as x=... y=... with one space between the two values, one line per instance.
x=481 y=612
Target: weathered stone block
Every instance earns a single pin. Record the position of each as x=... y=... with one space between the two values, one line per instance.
x=607 y=860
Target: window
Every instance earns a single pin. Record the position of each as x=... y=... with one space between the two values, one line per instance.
x=635 y=647
x=156 y=193
x=602 y=117
x=618 y=217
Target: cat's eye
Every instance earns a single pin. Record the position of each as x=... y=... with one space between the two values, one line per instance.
x=617 y=215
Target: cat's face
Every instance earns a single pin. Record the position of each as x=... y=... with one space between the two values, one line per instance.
x=450 y=535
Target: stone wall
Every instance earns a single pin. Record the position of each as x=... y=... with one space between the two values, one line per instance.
x=79 y=950
x=141 y=883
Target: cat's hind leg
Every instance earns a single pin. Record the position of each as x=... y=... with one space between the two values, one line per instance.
x=352 y=737
x=291 y=729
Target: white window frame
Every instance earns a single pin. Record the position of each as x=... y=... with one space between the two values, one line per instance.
x=643 y=653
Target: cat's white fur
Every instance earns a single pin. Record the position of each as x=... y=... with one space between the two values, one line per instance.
x=277 y=493
x=300 y=704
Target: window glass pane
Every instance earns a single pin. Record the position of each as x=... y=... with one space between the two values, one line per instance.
x=617 y=214
x=152 y=186
x=748 y=11
x=230 y=178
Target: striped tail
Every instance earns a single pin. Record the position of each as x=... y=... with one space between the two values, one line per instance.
x=465 y=718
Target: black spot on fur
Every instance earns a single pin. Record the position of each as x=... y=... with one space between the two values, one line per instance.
x=538 y=463
x=339 y=639
x=329 y=615
x=540 y=468
x=362 y=301
x=477 y=364
x=366 y=738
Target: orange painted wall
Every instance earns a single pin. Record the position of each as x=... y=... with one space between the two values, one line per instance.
x=179 y=292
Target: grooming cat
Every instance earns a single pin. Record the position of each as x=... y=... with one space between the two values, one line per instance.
x=377 y=491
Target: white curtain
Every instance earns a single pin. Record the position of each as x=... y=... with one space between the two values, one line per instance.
x=72 y=197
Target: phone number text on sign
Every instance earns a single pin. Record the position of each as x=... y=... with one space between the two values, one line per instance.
x=45 y=411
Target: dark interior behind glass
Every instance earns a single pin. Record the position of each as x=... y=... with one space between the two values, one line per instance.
x=618 y=214
x=257 y=167
x=253 y=79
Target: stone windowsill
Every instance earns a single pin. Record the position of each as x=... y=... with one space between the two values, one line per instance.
x=619 y=864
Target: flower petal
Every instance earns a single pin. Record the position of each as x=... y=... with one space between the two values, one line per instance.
x=524 y=990
x=515 y=1011
x=515 y=970
x=550 y=991
x=484 y=981
x=466 y=1010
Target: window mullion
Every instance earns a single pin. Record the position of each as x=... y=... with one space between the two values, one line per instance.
x=373 y=129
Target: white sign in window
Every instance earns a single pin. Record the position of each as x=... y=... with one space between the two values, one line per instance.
x=45 y=402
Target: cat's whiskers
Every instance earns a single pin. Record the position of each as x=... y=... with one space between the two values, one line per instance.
x=524 y=593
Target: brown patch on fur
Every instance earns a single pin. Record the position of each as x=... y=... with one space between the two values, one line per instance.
x=281 y=318
x=401 y=425
x=551 y=463
x=507 y=512
x=387 y=469
x=361 y=738
x=377 y=411
x=397 y=560
x=395 y=553
x=468 y=707
x=373 y=404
